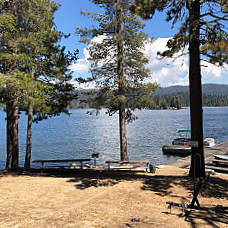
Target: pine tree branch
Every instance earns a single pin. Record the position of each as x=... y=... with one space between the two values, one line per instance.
x=224 y=18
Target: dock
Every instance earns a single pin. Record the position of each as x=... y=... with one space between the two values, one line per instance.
x=209 y=152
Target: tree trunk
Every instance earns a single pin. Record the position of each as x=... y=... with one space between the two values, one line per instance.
x=120 y=52
x=9 y=134
x=197 y=168
x=29 y=137
x=123 y=138
x=12 y=136
x=29 y=133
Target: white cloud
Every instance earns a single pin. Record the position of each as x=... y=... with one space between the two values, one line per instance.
x=211 y=71
x=89 y=85
x=165 y=71
x=82 y=65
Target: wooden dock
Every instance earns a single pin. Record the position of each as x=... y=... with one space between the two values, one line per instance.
x=221 y=149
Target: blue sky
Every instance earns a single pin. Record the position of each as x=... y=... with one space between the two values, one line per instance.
x=165 y=72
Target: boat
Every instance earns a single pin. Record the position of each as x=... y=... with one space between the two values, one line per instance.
x=176 y=150
x=183 y=139
x=209 y=142
x=221 y=157
x=180 y=145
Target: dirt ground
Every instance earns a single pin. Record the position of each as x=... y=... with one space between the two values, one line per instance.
x=108 y=199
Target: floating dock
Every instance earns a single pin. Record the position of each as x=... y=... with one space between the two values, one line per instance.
x=220 y=149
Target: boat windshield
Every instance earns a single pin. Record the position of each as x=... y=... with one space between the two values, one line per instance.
x=184 y=133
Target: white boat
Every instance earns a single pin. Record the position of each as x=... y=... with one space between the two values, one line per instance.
x=209 y=142
x=222 y=157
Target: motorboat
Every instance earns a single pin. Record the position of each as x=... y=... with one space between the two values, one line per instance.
x=176 y=150
x=181 y=145
x=183 y=139
x=209 y=142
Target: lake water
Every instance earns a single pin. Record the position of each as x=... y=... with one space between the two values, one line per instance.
x=80 y=135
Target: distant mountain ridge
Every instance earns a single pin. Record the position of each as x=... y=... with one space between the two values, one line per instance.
x=219 y=89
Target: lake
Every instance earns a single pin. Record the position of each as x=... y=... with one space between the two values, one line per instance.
x=80 y=135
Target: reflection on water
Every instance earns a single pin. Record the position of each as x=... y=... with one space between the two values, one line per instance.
x=80 y=135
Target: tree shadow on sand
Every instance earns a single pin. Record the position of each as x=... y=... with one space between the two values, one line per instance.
x=215 y=188
x=209 y=217
x=161 y=185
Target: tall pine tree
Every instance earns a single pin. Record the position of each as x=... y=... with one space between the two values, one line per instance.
x=48 y=63
x=204 y=30
x=117 y=62
x=30 y=59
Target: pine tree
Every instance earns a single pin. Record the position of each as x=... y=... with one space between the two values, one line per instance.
x=117 y=62
x=48 y=60
x=30 y=58
x=37 y=37
x=203 y=29
x=10 y=59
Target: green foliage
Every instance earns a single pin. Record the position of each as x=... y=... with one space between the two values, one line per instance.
x=213 y=36
x=181 y=99
x=173 y=100
x=131 y=90
x=32 y=64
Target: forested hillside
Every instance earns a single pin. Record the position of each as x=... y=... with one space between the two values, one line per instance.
x=214 y=95
x=206 y=89
x=174 y=97
x=181 y=99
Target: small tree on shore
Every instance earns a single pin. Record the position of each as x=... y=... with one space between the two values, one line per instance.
x=117 y=62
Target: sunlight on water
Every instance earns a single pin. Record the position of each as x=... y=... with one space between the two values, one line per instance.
x=80 y=135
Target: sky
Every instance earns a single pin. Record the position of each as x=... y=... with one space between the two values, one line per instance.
x=166 y=72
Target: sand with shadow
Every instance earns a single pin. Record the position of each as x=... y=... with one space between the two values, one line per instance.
x=95 y=198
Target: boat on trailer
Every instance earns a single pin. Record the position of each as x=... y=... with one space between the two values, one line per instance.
x=180 y=146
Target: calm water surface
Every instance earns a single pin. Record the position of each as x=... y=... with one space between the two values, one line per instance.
x=80 y=135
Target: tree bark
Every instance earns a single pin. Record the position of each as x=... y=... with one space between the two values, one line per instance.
x=9 y=134
x=123 y=138
x=29 y=137
x=197 y=168
x=29 y=133
x=12 y=136
x=120 y=52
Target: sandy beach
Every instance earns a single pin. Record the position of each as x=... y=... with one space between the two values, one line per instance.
x=94 y=198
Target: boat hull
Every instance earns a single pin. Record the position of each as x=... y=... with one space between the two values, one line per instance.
x=176 y=149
